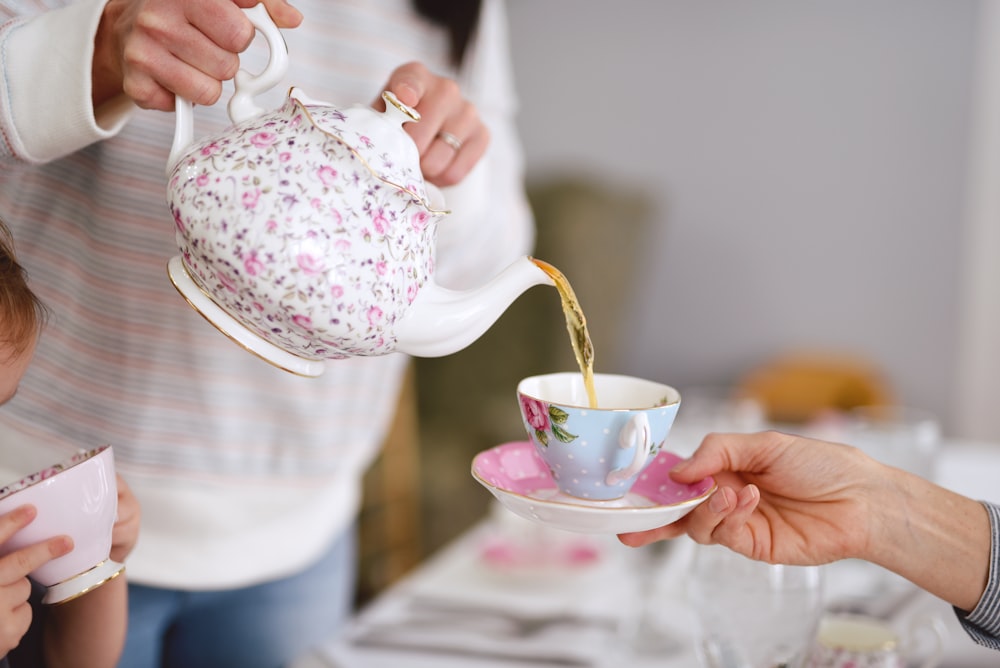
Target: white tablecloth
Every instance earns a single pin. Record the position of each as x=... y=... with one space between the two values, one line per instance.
x=602 y=591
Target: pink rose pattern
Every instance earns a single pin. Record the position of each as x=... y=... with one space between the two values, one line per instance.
x=318 y=250
x=544 y=419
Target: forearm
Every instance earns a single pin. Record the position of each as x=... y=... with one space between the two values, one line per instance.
x=937 y=539
x=89 y=630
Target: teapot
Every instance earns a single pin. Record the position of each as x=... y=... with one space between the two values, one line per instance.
x=307 y=233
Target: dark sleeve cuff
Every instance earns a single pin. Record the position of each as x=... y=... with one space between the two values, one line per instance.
x=983 y=623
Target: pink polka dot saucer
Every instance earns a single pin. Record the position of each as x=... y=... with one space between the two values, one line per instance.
x=521 y=481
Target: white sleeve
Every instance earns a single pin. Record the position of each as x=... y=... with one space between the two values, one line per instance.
x=45 y=94
x=491 y=223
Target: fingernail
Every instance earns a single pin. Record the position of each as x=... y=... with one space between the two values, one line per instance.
x=718 y=503
x=747 y=496
x=65 y=544
x=680 y=466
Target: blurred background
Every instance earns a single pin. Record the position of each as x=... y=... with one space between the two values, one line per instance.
x=730 y=185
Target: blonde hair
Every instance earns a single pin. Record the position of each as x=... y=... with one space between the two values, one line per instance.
x=22 y=313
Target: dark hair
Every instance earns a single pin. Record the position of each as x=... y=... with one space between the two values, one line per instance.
x=21 y=312
x=459 y=17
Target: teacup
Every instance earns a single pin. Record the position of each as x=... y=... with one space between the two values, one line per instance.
x=859 y=641
x=596 y=453
x=77 y=498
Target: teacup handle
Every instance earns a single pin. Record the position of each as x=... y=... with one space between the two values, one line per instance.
x=241 y=105
x=636 y=433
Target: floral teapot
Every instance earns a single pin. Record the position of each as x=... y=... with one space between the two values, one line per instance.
x=307 y=233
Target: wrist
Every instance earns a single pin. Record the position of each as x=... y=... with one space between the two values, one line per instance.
x=937 y=539
x=106 y=71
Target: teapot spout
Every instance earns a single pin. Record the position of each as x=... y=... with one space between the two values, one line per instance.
x=442 y=321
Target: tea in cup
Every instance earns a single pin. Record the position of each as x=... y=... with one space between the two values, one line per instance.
x=859 y=641
x=596 y=454
x=77 y=498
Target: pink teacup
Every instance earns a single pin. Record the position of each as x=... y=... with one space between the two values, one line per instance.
x=77 y=498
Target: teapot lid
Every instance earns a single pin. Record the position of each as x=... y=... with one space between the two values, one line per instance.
x=377 y=138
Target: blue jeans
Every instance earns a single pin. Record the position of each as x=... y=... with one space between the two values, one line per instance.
x=263 y=626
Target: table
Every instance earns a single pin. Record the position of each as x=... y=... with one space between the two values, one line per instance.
x=590 y=588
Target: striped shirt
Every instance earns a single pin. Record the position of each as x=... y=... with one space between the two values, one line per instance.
x=983 y=623
x=244 y=472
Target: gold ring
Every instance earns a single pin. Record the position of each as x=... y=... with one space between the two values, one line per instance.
x=450 y=140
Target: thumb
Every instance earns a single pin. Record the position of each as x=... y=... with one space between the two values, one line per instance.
x=283 y=14
x=409 y=83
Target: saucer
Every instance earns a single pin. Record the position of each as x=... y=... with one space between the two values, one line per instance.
x=520 y=480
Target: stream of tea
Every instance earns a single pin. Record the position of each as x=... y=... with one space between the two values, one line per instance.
x=576 y=324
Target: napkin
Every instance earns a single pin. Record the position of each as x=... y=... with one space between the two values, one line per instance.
x=558 y=640
x=460 y=606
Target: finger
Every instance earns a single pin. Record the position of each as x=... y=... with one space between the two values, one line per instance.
x=473 y=149
x=125 y=532
x=222 y=23
x=703 y=520
x=151 y=71
x=15 y=520
x=725 y=452
x=20 y=562
x=16 y=622
x=149 y=93
x=283 y=14
x=442 y=107
x=733 y=530
x=409 y=83
x=641 y=538
x=444 y=148
x=189 y=55
x=456 y=146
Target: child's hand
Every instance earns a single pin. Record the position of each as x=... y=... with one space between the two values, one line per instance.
x=15 y=613
x=126 y=530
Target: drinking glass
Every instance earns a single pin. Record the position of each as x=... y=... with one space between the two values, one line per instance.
x=901 y=436
x=647 y=631
x=752 y=614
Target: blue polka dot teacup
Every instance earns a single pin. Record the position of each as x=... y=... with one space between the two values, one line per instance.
x=596 y=453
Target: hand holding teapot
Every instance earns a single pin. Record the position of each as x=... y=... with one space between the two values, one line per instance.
x=450 y=136
x=154 y=49
x=307 y=233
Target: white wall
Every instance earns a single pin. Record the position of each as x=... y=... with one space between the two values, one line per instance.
x=809 y=163
x=978 y=378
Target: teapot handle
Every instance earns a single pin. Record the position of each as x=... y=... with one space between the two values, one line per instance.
x=241 y=105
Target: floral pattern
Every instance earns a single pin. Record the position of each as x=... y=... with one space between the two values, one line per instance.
x=546 y=419
x=49 y=471
x=310 y=225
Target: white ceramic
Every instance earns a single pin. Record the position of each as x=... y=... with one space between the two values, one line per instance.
x=307 y=233
x=522 y=482
x=78 y=498
x=596 y=453
x=752 y=614
x=859 y=641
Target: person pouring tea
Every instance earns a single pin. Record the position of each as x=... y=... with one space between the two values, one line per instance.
x=249 y=476
x=90 y=629
x=793 y=500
